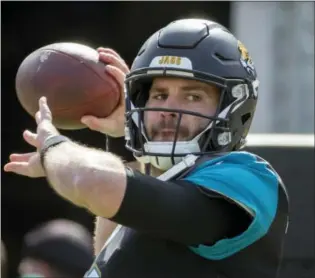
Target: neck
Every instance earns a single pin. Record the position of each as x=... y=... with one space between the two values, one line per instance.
x=154 y=172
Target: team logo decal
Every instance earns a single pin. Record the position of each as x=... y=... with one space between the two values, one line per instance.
x=246 y=60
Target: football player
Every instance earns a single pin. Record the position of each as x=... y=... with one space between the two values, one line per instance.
x=200 y=207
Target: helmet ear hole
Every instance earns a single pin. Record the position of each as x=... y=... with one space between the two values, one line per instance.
x=209 y=140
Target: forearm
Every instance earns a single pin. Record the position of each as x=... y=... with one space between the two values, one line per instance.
x=103 y=230
x=89 y=178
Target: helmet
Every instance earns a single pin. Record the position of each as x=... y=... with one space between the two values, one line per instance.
x=200 y=50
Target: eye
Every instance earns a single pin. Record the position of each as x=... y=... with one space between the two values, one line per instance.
x=159 y=96
x=193 y=97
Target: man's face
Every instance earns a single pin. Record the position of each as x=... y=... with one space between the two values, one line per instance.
x=178 y=93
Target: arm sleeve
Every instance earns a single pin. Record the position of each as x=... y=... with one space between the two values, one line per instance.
x=254 y=188
x=179 y=211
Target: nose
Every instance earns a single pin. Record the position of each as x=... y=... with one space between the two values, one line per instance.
x=166 y=114
x=170 y=103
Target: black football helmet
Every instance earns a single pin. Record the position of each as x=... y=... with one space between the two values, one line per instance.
x=201 y=50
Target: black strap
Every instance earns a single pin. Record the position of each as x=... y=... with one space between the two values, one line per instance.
x=49 y=143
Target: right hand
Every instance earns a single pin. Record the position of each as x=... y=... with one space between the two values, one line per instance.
x=114 y=124
x=29 y=164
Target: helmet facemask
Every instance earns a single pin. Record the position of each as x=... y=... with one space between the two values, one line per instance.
x=215 y=137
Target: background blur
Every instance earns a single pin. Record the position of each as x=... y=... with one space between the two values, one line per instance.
x=280 y=39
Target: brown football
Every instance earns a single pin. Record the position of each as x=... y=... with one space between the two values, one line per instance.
x=72 y=78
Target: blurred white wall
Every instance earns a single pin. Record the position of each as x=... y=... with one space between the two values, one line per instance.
x=280 y=39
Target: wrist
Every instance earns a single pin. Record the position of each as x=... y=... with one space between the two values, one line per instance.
x=49 y=143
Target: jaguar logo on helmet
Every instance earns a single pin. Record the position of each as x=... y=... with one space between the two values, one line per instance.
x=246 y=60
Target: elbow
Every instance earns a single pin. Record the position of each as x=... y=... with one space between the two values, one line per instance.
x=81 y=189
x=100 y=192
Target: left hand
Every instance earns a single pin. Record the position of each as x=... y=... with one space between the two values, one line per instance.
x=28 y=164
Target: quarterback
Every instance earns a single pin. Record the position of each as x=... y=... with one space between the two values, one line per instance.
x=199 y=206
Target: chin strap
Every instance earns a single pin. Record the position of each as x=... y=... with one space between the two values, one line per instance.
x=187 y=162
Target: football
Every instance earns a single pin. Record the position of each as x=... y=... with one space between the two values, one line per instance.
x=73 y=80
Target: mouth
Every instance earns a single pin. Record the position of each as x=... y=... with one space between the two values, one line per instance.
x=168 y=133
x=165 y=134
x=168 y=130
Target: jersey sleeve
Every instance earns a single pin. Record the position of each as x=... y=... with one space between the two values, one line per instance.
x=250 y=184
